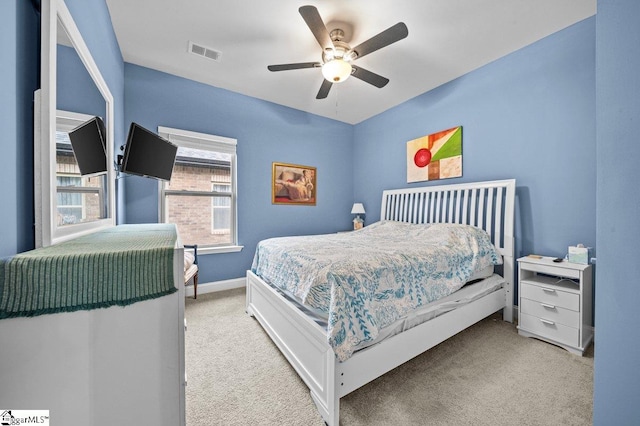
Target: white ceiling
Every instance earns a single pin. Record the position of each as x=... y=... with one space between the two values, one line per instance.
x=447 y=38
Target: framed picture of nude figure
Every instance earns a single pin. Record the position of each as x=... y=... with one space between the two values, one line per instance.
x=293 y=184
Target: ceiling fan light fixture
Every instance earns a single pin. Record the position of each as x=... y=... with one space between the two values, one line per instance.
x=336 y=70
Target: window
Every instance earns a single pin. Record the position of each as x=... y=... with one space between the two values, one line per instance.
x=201 y=196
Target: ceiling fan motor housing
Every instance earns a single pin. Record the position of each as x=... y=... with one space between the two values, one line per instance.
x=341 y=50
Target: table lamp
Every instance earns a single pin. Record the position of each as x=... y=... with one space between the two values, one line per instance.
x=358 y=209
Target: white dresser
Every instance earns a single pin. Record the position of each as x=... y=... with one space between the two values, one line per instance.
x=555 y=302
x=92 y=367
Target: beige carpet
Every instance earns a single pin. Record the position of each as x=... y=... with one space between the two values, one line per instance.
x=486 y=375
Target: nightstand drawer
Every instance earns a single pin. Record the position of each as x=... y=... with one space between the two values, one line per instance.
x=549 y=329
x=550 y=312
x=550 y=295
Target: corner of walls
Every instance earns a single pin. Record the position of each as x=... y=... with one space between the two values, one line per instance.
x=266 y=133
x=529 y=115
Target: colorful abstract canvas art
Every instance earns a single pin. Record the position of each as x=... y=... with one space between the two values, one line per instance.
x=435 y=156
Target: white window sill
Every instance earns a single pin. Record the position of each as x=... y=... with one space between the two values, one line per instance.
x=221 y=249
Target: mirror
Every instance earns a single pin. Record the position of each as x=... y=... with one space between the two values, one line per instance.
x=72 y=92
x=79 y=199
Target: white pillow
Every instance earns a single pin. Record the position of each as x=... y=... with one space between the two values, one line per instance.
x=481 y=274
x=188 y=259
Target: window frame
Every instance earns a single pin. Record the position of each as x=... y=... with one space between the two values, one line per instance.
x=203 y=141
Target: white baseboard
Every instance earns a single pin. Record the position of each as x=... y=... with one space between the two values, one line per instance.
x=211 y=287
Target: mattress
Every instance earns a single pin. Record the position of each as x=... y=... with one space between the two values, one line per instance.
x=471 y=292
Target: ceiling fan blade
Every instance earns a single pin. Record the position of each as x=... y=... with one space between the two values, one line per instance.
x=370 y=77
x=324 y=89
x=286 y=67
x=385 y=38
x=316 y=25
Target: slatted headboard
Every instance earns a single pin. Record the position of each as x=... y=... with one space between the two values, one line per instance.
x=488 y=205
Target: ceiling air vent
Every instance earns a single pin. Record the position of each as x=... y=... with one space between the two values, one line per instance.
x=207 y=52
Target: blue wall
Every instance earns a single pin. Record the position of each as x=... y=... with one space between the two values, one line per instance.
x=19 y=56
x=617 y=350
x=529 y=115
x=265 y=132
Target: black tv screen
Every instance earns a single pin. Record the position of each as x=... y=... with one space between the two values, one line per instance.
x=147 y=154
x=88 y=144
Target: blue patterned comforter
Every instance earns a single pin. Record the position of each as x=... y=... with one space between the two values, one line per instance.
x=367 y=279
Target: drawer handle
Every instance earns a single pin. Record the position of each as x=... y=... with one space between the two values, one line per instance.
x=544 y=321
x=544 y=305
x=548 y=290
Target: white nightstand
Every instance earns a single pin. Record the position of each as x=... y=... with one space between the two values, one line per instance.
x=555 y=302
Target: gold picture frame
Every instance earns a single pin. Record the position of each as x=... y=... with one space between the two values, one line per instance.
x=293 y=184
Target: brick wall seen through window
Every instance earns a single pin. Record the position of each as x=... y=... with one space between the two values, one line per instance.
x=195 y=215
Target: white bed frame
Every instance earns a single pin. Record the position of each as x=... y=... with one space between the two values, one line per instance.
x=488 y=205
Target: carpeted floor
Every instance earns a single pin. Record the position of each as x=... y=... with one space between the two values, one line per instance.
x=485 y=375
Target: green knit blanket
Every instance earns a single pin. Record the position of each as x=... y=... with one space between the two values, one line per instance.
x=118 y=266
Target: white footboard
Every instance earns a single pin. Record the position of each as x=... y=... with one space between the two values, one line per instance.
x=301 y=340
x=374 y=361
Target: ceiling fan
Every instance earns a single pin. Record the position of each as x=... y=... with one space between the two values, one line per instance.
x=337 y=56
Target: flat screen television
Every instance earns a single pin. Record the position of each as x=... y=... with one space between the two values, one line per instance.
x=147 y=154
x=88 y=144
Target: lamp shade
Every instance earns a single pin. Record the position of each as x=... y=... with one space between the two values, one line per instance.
x=357 y=208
